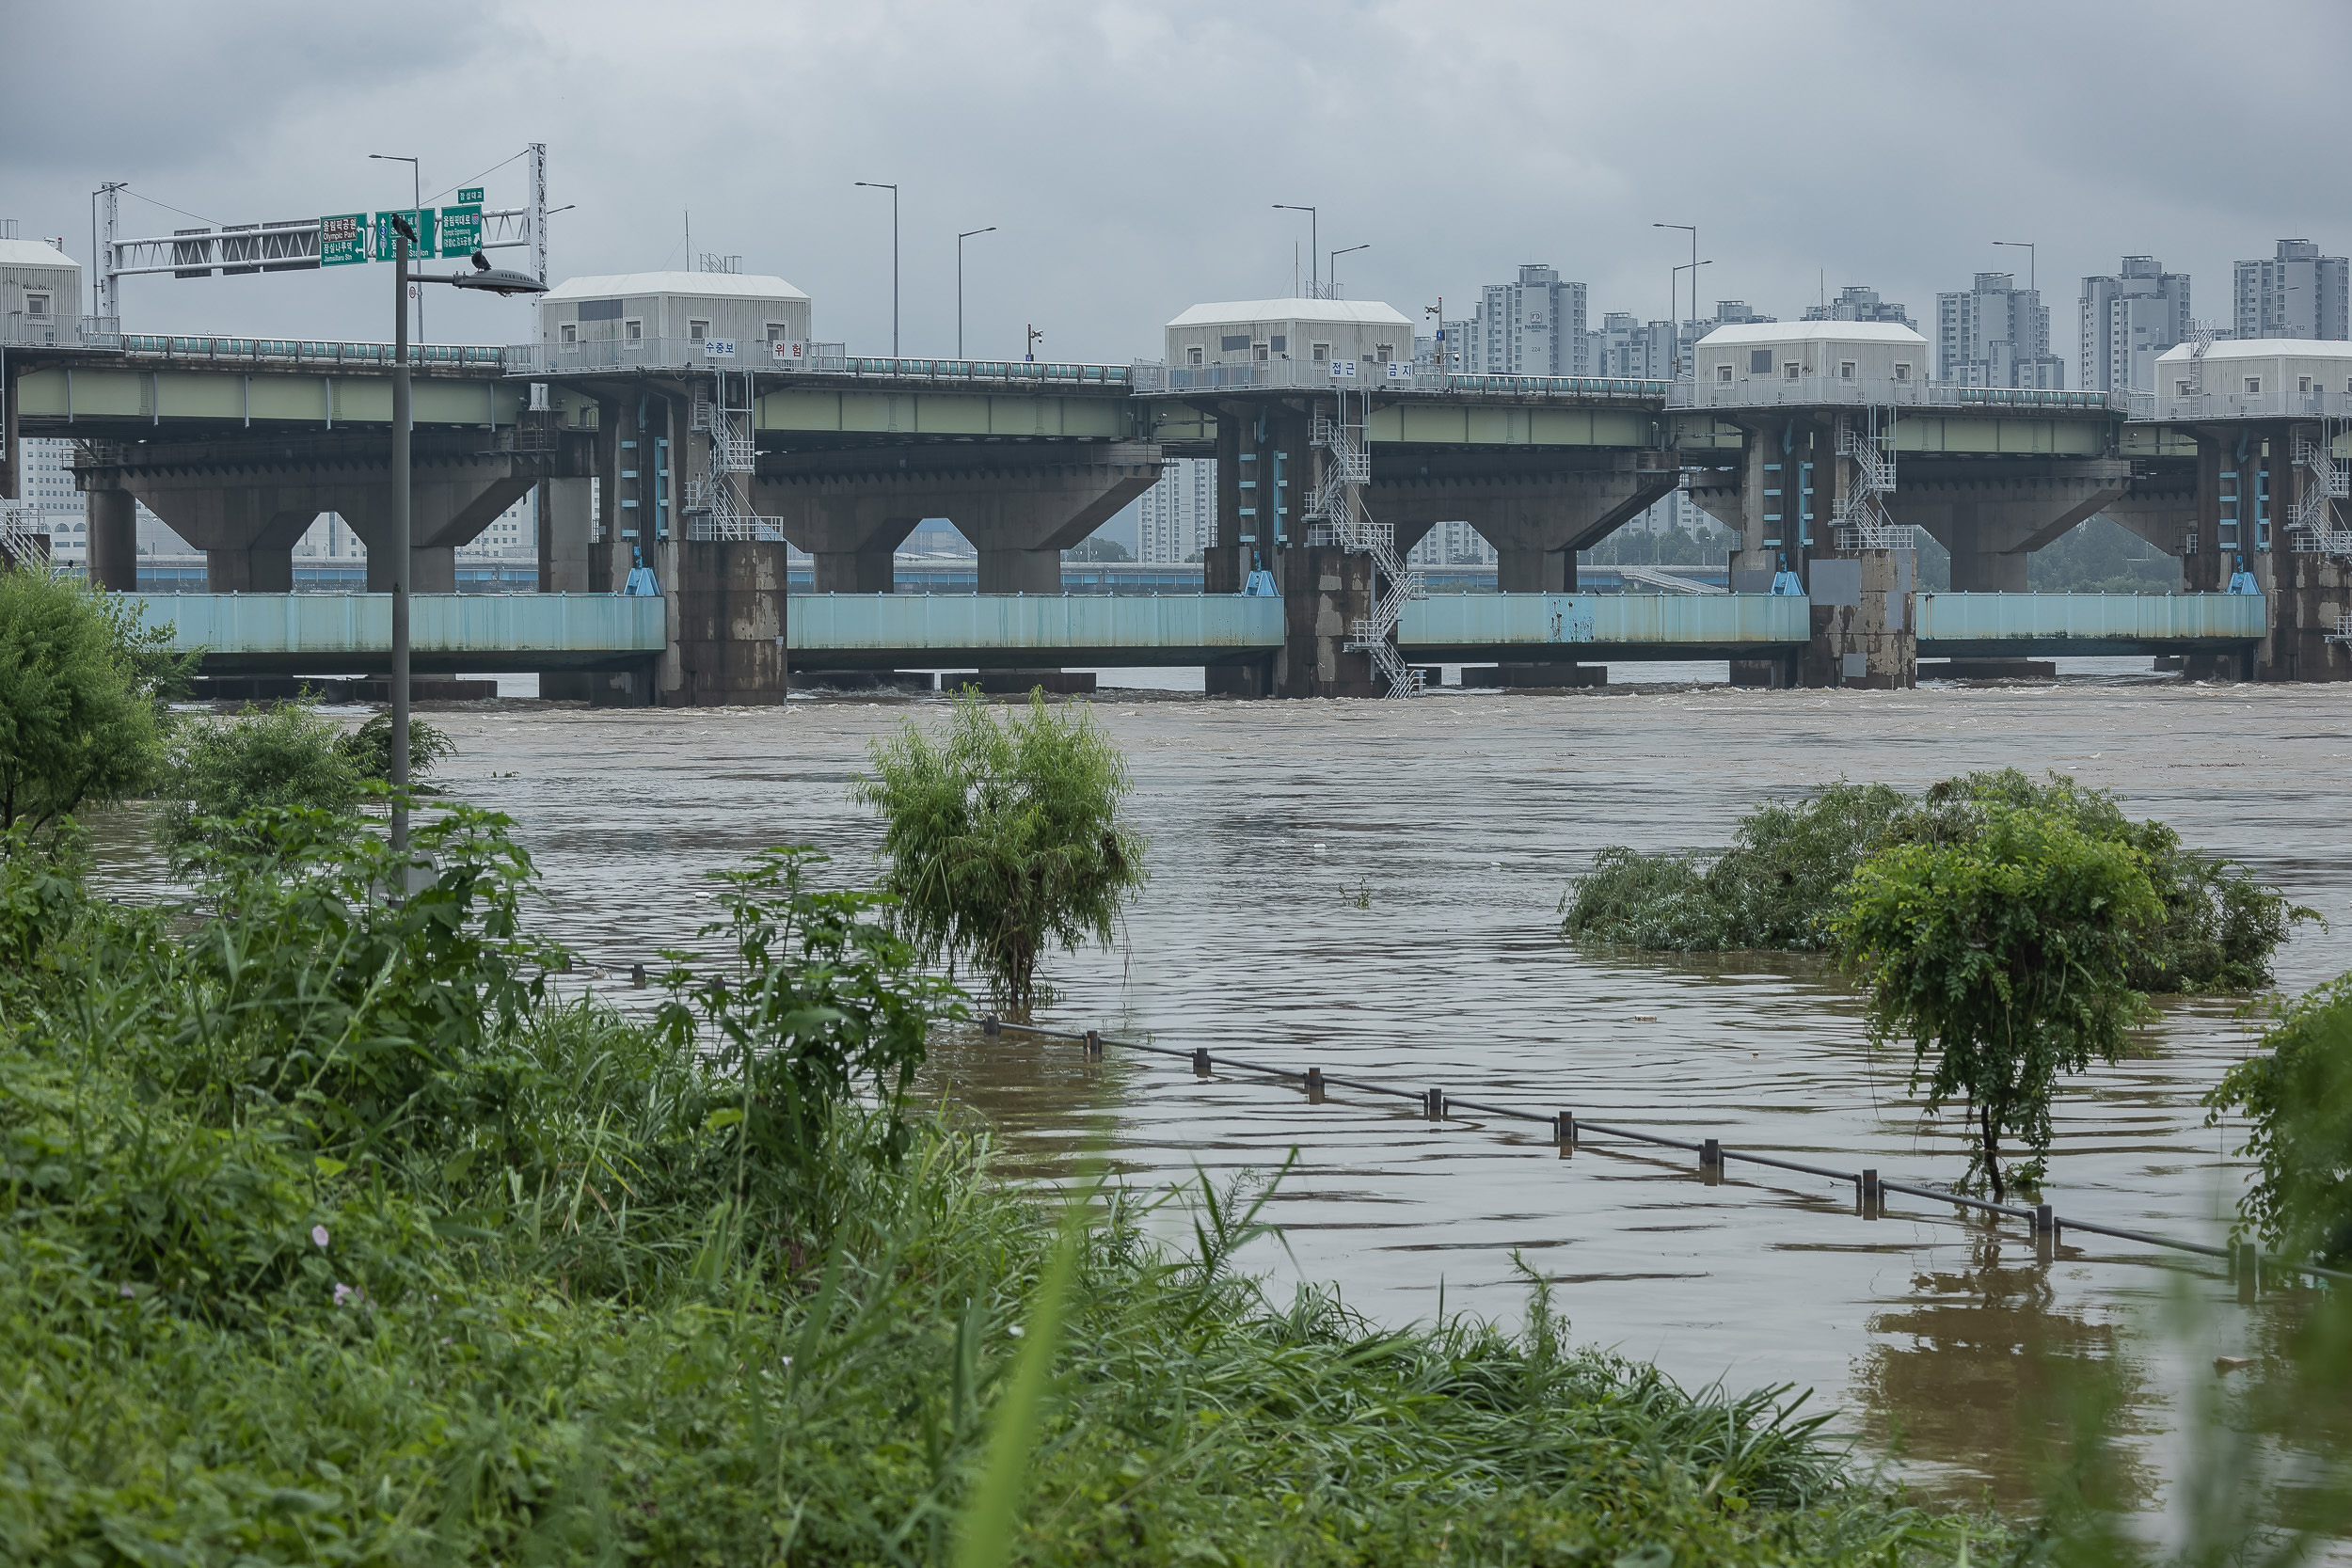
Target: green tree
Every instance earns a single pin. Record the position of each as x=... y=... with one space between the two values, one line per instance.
x=1003 y=838
x=2298 y=1100
x=284 y=755
x=82 y=689
x=1096 y=547
x=2004 y=957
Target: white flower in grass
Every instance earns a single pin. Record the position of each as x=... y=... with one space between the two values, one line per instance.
x=347 y=1294
x=318 y=1234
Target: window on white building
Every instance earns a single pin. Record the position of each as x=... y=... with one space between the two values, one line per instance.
x=2253 y=382
x=1845 y=370
x=1902 y=371
x=1790 y=371
x=1383 y=353
x=776 y=333
x=1722 y=374
x=571 y=332
x=633 y=330
x=2302 y=383
x=1260 y=351
x=697 y=330
x=1320 y=352
x=1193 y=354
x=36 y=305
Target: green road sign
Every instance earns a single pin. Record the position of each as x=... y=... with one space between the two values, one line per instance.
x=420 y=221
x=469 y=196
x=461 y=230
x=342 y=239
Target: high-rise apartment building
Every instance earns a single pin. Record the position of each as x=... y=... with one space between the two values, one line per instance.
x=1996 y=335
x=2296 y=294
x=1534 y=327
x=1176 y=519
x=2127 y=319
x=1857 y=302
x=1452 y=545
x=1628 y=346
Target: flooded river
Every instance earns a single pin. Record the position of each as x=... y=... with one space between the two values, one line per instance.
x=1375 y=888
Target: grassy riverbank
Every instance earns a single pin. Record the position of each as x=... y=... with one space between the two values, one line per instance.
x=326 y=1236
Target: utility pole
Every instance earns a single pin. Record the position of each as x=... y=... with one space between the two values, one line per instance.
x=1035 y=336
x=400 y=551
x=415 y=215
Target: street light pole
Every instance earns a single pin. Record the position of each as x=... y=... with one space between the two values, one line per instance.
x=1314 y=239
x=1692 y=229
x=960 y=239
x=1333 y=271
x=2032 y=285
x=400 y=548
x=879 y=186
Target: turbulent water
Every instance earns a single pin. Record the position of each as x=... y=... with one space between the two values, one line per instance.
x=1373 y=888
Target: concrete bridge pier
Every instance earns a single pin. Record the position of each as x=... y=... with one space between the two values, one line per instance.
x=2247 y=486
x=1990 y=519
x=114 y=539
x=1782 y=498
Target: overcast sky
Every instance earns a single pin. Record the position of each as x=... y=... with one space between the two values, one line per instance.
x=1129 y=153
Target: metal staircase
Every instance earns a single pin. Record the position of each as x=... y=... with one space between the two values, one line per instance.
x=718 y=500
x=2315 y=531
x=1860 y=516
x=24 y=536
x=1336 y=515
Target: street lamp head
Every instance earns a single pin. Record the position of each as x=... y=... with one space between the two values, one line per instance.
x=496 y=280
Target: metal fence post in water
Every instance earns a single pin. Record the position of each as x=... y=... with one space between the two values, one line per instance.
x=1201 y=1063
x=1711 y=1161
x=989 y=1025
x=1315 y=1086
x=1867 y=1193
x=637 y=976
x=1094 y=1045
x=1434 y=1103
x=1564 y=1130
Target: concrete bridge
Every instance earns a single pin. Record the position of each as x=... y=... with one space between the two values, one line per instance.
x=238 y=443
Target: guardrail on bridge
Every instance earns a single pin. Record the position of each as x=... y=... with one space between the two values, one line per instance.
x=337 y=633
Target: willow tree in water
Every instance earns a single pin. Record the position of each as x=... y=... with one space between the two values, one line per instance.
x=2004 y=960
x=1003 y=838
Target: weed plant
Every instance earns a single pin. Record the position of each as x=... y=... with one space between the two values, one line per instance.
x=327 y=1237
x=1784 y=880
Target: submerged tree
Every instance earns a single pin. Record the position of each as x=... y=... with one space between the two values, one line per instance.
x=1783 y=880
x=2003 y=957
x=82 y=687
x=1003 y=837
x=282 y=756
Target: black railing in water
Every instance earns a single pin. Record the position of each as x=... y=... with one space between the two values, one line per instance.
x=1568 y=1130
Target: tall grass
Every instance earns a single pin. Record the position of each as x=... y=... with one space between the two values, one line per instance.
x=543 y=1323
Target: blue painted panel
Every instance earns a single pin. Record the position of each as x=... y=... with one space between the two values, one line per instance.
x=2135 y=618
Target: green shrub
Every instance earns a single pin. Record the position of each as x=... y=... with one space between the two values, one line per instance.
x=2003 y=955
x=2297 y=1101
x=1782 y=882
x=1003 y=839
x=282 y=755
x=81 y=687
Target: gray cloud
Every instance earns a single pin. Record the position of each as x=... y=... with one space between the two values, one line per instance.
x=1130 y=152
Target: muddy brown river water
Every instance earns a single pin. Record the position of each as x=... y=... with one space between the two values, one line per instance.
x=1461 y=819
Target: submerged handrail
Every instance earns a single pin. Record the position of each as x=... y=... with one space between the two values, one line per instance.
x=1568 y=1130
